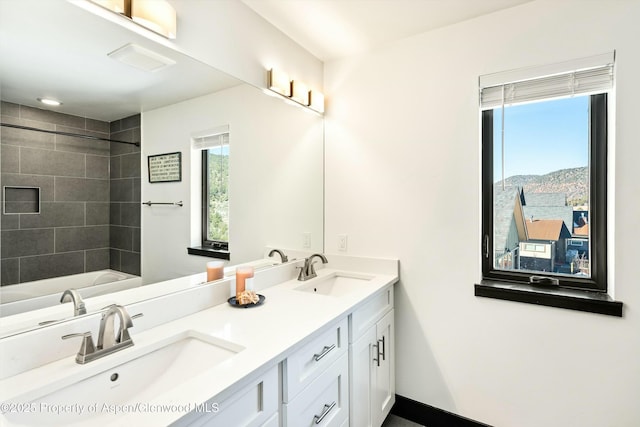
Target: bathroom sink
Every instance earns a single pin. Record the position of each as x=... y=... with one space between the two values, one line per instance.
x=135 y=382
x=335 y=284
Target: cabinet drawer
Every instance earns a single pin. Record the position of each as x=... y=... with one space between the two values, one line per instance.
x=306 y=364
x=252 y=406
x=325 y=402
x=369 y=313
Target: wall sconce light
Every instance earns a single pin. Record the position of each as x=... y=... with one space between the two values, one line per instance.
x=279 y=82
x=155 y=15
x=316 y=101
x=297 y=91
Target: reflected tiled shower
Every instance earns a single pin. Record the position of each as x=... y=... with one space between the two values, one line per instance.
x=79 y=227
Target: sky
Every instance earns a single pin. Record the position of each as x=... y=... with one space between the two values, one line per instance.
x=542 y=137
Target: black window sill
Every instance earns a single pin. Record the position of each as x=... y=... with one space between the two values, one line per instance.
x=209 y=252
x=572 y=299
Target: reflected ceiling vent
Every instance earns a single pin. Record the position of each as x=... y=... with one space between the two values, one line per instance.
x=141 y=58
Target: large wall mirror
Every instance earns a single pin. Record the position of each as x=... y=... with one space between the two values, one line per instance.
x=72 y=212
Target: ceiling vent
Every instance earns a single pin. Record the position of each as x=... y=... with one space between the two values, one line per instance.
x=141 y=58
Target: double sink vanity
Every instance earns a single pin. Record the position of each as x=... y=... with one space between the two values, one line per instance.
x=316 y=352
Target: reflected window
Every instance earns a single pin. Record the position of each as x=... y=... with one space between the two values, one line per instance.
x=215 y=192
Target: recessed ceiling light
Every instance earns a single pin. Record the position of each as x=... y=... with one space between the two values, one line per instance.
x=49 y=101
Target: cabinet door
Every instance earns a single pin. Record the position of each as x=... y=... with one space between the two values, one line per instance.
x=384 y=393
x=361 y=378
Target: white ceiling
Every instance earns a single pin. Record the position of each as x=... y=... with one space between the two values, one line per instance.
x=331 y=29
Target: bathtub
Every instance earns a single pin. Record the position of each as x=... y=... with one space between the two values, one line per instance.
x=38 y=294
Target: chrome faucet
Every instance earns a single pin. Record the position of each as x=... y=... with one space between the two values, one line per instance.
x=283 y=257
x=78 y=304
x=308 y=271
x=108 y=341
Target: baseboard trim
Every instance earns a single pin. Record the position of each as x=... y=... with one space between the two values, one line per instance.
x=430 y=416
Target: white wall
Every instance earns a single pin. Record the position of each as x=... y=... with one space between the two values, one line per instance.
x=230 y=36
x=402 y=180
x=275 y=184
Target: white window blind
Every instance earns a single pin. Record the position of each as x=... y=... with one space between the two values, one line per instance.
x=210 y=141
x=583 y=81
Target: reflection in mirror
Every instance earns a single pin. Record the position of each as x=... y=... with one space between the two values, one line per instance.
x=89 y=230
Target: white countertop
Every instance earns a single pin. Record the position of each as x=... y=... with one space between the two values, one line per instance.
x=267 y=332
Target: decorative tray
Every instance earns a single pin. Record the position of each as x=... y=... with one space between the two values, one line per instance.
x=233 y=303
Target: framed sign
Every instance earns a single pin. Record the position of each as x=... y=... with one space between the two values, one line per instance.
x=165 y=167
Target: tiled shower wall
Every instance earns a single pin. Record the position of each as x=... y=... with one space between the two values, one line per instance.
x=124 y=231
x=73 y=231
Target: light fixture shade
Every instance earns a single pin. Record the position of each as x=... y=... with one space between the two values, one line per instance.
x=300 y=93
x=279 y=82
x=316 y=101
x=116 y=6
x=156 y=15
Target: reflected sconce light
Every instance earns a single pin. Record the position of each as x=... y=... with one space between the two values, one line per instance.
x=155 y=15
x=295 y=90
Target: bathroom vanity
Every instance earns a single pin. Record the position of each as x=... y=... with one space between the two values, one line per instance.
x=317 y=352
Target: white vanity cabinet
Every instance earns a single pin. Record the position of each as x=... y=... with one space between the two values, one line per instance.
x=372 y=361
x=254 y=405
x=316 y=380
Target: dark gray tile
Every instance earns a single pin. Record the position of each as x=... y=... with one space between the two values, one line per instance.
x=114 y=213
x=55 y=214
x=130 y=135
x=18 y=243
x=81 y=238
x=10 y=270
x=10 y=159
x=9 y=109
x=21 y=207
x=114 y=259
x=130 y=262
x=121 y=190
x=81 y=189
x=115 y=126
x=131 y=165
x=82 y=145
x=97 y=125
x=97 y=167
x=96 y=259
x=9 y=222
x=47 y=266
x=48 y=162
x=27 y=138
x=45 y=183
x=114 y=167
x=137 y=184
x=130 y=214
x=121 y=237
x=97 y=213
x=53 y=117
x=136 y=240
x=131 y=122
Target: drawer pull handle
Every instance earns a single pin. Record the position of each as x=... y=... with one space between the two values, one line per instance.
x=383 y=350
x=327 y=408
x=324 y=352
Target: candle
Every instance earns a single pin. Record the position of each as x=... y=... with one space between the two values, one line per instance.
x=215 y=270
x=242 y=274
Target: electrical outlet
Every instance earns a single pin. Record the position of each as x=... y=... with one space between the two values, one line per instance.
x=342 y=242
x=306 y=240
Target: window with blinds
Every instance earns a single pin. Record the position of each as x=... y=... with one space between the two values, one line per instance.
x=544 y=173
x=215 y=189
